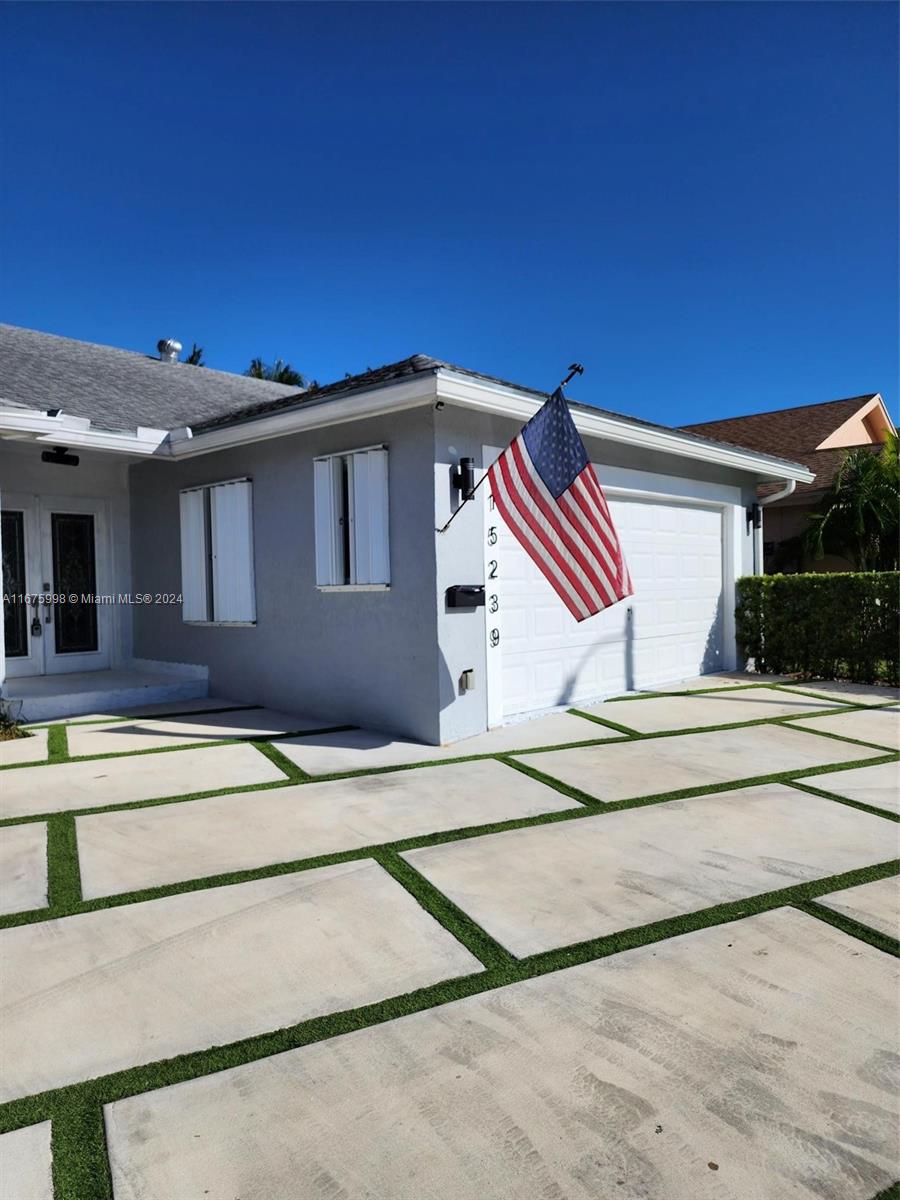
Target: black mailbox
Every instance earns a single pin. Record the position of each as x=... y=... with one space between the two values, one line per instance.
x=465 y=595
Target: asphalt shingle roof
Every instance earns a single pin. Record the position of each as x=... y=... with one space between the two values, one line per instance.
x=118 y=389
x=792 y=433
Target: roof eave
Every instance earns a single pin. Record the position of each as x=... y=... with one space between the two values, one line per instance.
x=29 y=424
x=506 y=401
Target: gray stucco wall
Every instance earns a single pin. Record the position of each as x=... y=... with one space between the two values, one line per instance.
x=367 y=658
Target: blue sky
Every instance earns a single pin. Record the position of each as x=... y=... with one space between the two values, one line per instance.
x=698 y=201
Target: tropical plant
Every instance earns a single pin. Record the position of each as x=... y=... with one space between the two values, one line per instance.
x=859 y=516
x=195 y=358
x=277 y=372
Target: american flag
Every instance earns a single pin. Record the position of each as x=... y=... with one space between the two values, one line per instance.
x=548 y=495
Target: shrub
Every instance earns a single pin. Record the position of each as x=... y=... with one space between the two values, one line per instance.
x=840 y=626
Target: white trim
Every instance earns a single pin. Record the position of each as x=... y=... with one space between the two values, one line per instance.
x=199 y=487
x=310 y=415
x=77 y=432
x=353 y=587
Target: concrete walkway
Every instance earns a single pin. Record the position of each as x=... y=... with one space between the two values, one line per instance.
x=277 y=960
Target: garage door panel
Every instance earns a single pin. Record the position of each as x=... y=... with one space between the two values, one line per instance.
x=674 y=553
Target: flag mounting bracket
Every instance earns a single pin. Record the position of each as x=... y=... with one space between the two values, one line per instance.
x=574 y=369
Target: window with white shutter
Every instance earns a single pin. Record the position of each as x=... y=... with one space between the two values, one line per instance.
x=217 y=581
x=351 y=507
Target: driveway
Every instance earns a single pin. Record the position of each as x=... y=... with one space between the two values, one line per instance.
x=645 y=950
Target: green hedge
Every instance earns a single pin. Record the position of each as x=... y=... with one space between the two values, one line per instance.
x=840 y=626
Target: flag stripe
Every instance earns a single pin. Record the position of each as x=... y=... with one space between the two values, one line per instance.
x=578 y=494
x=531 y=547
x=583 y=555
x=535 y=521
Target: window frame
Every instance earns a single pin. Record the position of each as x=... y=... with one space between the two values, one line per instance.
x=352 y=538
x=202 y=589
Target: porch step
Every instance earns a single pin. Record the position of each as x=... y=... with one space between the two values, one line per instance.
x=54 y=697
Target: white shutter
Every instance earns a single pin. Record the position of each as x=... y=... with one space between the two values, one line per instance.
x=194 y=605
x=326 y=522
x=231 y=535
x=370 y=517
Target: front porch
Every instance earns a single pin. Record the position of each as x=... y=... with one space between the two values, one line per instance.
x=33 y=698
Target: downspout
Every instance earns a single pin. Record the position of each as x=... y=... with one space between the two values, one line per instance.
x=781 y=494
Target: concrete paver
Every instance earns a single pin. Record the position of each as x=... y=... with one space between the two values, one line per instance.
x=625 y=770
x=61 y=787
x=851 y=693
x=24 y=749
x=161 y=709
x=363 y=749
x=23 y=867
x=749 y=1061
x=543 y=887
x=719 y=679
x=121 y=737
x=659 y=713
x=101 y=991
x=25 y=1163
x=146 y=847
x=878 y=786
x=874 y=904
x=880 y=726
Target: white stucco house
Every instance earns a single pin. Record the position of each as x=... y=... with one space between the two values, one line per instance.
x=281 y=547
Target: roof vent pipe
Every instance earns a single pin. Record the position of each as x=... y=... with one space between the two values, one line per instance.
x=168 y=349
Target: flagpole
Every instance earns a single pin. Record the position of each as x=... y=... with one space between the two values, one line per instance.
x=574 y=369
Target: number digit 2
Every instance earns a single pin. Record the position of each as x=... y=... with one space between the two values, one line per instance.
x=492 y=569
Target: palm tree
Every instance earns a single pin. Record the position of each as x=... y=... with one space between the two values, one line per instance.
x=195 y=358
x=277 y=372
x=859 y=515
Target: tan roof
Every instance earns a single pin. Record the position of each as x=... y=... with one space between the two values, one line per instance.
x=795 y=429
x=792 y=433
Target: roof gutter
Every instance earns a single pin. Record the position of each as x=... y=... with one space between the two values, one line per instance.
x=28 y=424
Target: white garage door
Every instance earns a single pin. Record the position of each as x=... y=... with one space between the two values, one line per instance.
x=671 y=628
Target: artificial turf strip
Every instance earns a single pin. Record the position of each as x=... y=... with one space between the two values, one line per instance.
x=57 y=746
x=63 y=871
x=856 y=929
x=134 y=718
x=837 y=737
x=872 y=809
x=80 y=1155
x=476 y=940
x=81 y=1169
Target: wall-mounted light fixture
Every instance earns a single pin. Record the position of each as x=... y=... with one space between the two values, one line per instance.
x=462 y=477
x=754 y=516
x=59 y=457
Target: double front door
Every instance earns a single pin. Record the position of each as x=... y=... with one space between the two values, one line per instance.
x=55 y=572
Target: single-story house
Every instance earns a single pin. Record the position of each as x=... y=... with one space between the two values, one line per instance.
x=819 y=436
x=282 y=547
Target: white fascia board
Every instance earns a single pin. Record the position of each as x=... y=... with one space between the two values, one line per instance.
x=503 y=401
x=393 y=397
x=70 y=431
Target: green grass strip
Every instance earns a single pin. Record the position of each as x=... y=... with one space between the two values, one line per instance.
x=80 y=1158
x=836 y=737
x=856 y=929
x=57 y=746
x=135 y=718
x=872 y=809
x=475 y=939
x=63 y=873
x=578 y=712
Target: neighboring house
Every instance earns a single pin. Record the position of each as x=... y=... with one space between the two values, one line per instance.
x=287 y=544
x=817 y=435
